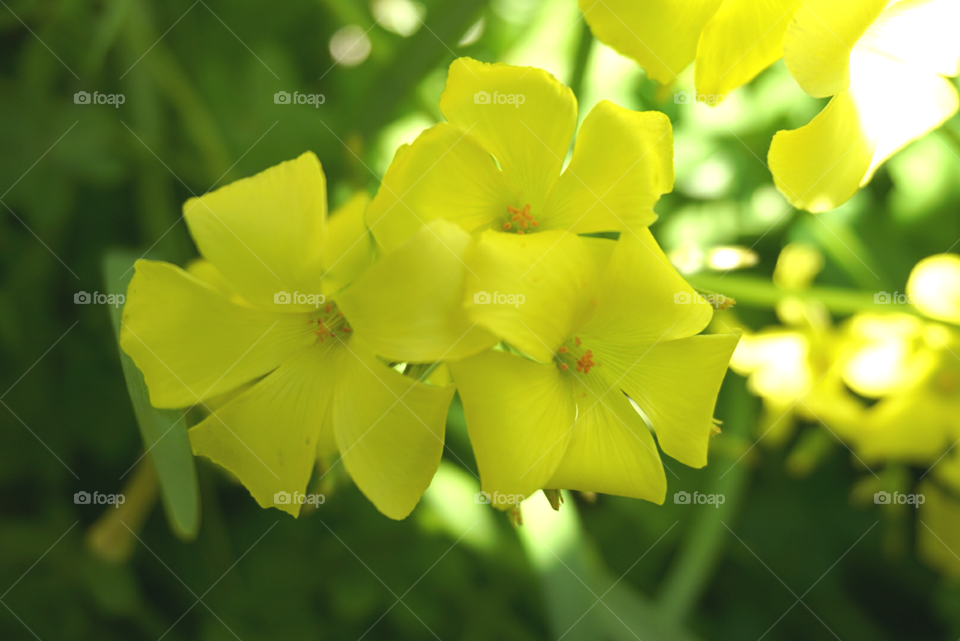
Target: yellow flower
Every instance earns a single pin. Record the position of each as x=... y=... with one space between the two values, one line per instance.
x=494 y=169
x=294 y=373
x=569 y=423
x=731 y=40
x=792 y=368
x=910 y=365
x=884 y=64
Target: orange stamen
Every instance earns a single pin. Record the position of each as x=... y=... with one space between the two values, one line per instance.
x=507 y=226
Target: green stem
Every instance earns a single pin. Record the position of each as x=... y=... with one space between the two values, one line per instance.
x=749 y=291
x=702 y=546
x=582 y=56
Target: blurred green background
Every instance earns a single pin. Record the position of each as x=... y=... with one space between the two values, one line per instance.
x=789 y=555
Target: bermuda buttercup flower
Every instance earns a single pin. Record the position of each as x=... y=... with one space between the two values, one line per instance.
x=884 y=64
x=731 y=41
x=301 y=381
x=568 y=423
x=495 y=170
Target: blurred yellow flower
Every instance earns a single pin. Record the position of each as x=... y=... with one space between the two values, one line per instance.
x=569 y=423
x=731 y=40
x=494 y=168
x=292 y=372
x=858 y=51
x=934 y=285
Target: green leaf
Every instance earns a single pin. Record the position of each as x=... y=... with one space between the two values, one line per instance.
x=164 y=432
x=585 y=600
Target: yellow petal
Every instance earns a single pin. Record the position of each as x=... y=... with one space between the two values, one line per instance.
x=742 y=39
x=265 y=233
x=520 y=416
x=661 y=35
x=530 y=140
x=389 y=429
x=268 y=435
x=821 y=37
x=676 y=384
x=348 y=248
x=818 y=167
x=923 y=101
x=912 y=427
x=643 y=299
x=919 y=32
x=622 y=163
x=532 y=291
x=935 y=286
x=611 y=449
x=408 y=307
x=445 y=173
x=191 y=342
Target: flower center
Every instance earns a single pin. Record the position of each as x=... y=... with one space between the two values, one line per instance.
x=329 y=322
x=572 y=354
x=521 y=220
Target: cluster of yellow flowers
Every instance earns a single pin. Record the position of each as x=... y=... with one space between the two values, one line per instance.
x=887 y=385
x=540 y=296
x=485 y=266
x=851 y=51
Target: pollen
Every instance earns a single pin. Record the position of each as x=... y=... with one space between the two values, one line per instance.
x=585 y=362
x=329 y=321
x=521 y=220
